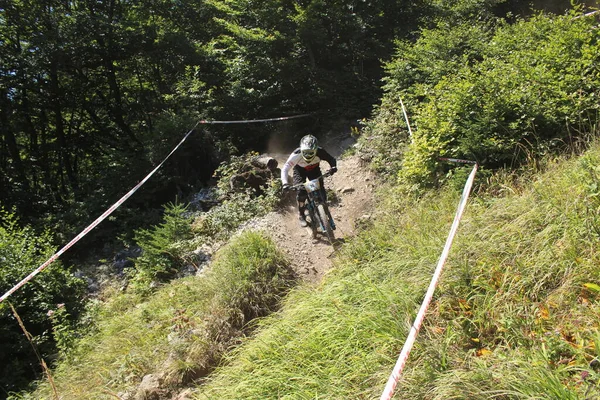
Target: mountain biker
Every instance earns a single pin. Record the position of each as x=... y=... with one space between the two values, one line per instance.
x=305 y=161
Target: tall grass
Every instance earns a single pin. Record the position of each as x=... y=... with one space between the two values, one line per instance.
x=515 y=316
x=181 y=331
x=331 y=341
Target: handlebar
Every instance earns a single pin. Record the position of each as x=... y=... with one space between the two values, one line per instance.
x=301 y=185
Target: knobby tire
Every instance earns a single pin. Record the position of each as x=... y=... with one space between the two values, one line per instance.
x=314 y=224
x=324 y=217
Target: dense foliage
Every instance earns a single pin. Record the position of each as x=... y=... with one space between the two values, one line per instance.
x=94 y=93
x=22 y=250
x=164 y=247
x=497 y=93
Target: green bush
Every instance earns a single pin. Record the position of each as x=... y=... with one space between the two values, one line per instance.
x=239 y=205
x=22 y=250
x=164 y=247
x=501 y=94
x=410 y=76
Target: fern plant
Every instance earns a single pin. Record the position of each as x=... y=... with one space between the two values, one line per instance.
x=164 y=247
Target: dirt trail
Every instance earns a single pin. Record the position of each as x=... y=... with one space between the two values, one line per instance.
x=353 y=186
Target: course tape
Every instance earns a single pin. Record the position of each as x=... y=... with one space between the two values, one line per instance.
x=410 y=340
x=410 y=134
x=250 y=121
x=587 y=14
x=457 y=160
x=125 y=197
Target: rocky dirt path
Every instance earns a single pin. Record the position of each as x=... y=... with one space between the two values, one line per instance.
x=351 y=200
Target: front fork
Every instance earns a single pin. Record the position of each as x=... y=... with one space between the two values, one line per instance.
x=311 y=205
x=331 y=222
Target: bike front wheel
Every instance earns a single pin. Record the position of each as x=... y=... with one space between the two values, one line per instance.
x=324 y=217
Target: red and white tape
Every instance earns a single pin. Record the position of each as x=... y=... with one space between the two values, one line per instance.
x=410 y=134
x=250 y=121
x=414 y=330
x=126 y=196
x=457 y=160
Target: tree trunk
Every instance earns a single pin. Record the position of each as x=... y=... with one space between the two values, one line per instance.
x=11 y=142
x=116 y=105
x=64 y=147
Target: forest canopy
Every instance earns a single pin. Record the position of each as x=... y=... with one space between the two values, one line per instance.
x=93 y=93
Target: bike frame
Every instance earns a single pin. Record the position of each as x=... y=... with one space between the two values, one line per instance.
x=316 y=198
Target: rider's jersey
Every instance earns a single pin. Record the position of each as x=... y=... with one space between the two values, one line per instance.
x=296 y=160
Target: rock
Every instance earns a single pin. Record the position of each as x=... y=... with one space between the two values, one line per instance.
x=185 y=395
x=187 y=270
x=123 y=259
x=205 y=199
x=201 y=270
x=150 y=388
x=93 y=286
x=121 y=265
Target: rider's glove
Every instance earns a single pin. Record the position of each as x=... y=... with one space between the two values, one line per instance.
x=286 y=187
x=333 y=170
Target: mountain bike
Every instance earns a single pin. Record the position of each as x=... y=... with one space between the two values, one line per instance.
x=319 y=218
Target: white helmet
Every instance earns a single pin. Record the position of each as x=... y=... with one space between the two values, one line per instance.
x=308 y=147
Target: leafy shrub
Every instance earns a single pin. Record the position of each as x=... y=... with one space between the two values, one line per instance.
x=164 y=247
x=221 y=221
x=236 y=207
x=234 y=166
x=21 y=252
x=496 y=93
x=410 y=75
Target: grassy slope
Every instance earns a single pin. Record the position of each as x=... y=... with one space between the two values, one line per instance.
x=512 y=318
x=180 y=331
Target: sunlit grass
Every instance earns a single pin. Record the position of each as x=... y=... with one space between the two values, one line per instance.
x=179 y=332
x=516 y=314
x=512 y=318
